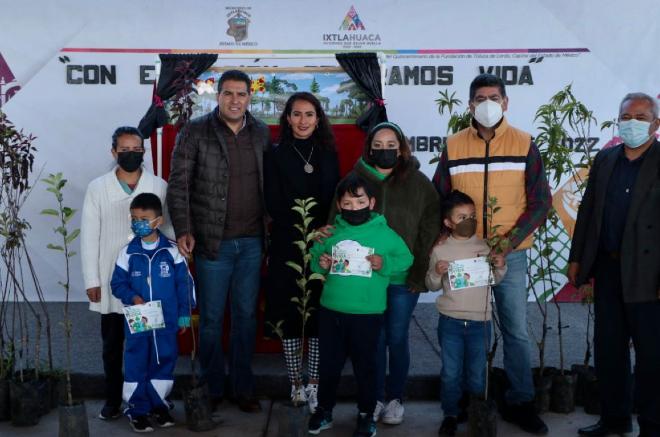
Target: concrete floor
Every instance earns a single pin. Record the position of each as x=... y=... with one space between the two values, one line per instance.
x=422 y=419
x=423 y=413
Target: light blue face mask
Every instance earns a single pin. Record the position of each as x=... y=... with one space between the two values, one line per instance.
x=634 y=133
x=142 y=228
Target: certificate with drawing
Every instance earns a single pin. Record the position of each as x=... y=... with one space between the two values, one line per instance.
x=348 y=259
x=471 y=272
x=145 y=317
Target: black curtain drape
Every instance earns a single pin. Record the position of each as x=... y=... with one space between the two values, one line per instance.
x=156 y=115
x=363 y=68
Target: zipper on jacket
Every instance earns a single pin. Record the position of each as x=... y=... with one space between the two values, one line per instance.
x=485 y=206
x=151 y=294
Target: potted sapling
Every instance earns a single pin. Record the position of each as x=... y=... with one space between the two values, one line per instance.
x=22 y=366
x=482 y=410
x=294 y=414
x=72 y=414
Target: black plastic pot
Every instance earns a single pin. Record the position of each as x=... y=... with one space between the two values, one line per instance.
x=498 y=384
x=293 y=420
x=42 y=385
x=482 y=417
x=73 y=420
x=581 y=372
x=586 y=388
x=56 y=390
x=5 y=409
x=562 y=395
x=542 y=388
x=197 y=404
x=25 y=402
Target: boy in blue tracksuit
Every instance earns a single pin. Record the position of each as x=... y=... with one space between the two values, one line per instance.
x=150 y=268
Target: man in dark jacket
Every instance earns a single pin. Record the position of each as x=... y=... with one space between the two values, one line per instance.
x=617 y=242
x=215 y=199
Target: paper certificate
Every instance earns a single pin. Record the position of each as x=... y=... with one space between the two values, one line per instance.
x=471 y=272
x=145 y=317
x=348 y=259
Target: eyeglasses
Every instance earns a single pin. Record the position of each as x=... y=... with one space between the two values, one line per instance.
x=122 y=150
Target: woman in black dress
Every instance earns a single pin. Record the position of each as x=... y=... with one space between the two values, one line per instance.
x=302 y=165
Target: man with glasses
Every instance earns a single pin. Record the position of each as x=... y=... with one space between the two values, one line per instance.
x=493 y=159
x=105 y=228
x=617 y=242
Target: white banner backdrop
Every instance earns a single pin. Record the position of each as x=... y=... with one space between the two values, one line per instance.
x=87 y=67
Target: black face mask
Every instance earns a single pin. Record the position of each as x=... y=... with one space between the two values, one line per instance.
x=385 y=158
x=356 y=217
x=130 y=161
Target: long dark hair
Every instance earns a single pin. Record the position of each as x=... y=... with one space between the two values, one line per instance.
x=404 y=163
x=322 y=135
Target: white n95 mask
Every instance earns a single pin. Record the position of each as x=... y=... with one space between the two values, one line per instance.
x=488 y=113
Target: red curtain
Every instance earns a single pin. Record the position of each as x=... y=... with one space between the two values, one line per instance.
x=350 y=140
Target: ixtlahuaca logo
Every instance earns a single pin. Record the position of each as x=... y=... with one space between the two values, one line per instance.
x=238 y=22
x=352 y=33
x=8 y=84
x=352 y=21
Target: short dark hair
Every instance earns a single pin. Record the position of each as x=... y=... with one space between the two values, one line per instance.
x=454 y=199
x=486 y=79
x=126 y=130
x=237 y=75
x=351 y=184
x=148 y=202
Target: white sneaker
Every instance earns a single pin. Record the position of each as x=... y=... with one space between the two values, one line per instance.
x=298 y=395
x=378 y=411
x=311 y=391
x=393 y=412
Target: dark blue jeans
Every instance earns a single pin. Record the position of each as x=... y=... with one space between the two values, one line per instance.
x=511 y=299
x=464 y=345
x=235 y=273
x=394 y=339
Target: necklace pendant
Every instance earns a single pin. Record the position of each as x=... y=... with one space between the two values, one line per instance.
x=309 y=168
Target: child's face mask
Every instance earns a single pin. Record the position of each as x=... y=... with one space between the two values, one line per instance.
x=356 y=217
x=142 y=228
x=465 y=228
x=356 y=207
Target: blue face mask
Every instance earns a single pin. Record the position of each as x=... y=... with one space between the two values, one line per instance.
x=142 y=228
x=634 y=133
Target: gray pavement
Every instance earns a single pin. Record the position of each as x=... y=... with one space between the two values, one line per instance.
x=422 y=419
x=269 y=369
x=423 y=412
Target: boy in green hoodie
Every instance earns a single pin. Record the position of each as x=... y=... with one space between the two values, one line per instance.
x=354 y=300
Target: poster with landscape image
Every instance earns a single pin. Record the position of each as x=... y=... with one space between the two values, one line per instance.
x=341 y=99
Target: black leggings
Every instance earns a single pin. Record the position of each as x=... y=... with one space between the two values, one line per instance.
x=112 y=332
x=342 y=335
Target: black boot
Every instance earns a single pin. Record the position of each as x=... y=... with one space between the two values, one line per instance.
x=448 y=427
x=524 y=415
x=601 y=429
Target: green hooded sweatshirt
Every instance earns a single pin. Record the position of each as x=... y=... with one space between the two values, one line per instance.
x=360 y=294
x=412 y=209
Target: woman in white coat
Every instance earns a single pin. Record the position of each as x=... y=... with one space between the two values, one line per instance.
x=105 y=229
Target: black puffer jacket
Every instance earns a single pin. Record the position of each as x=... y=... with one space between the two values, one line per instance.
x=199 y=178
